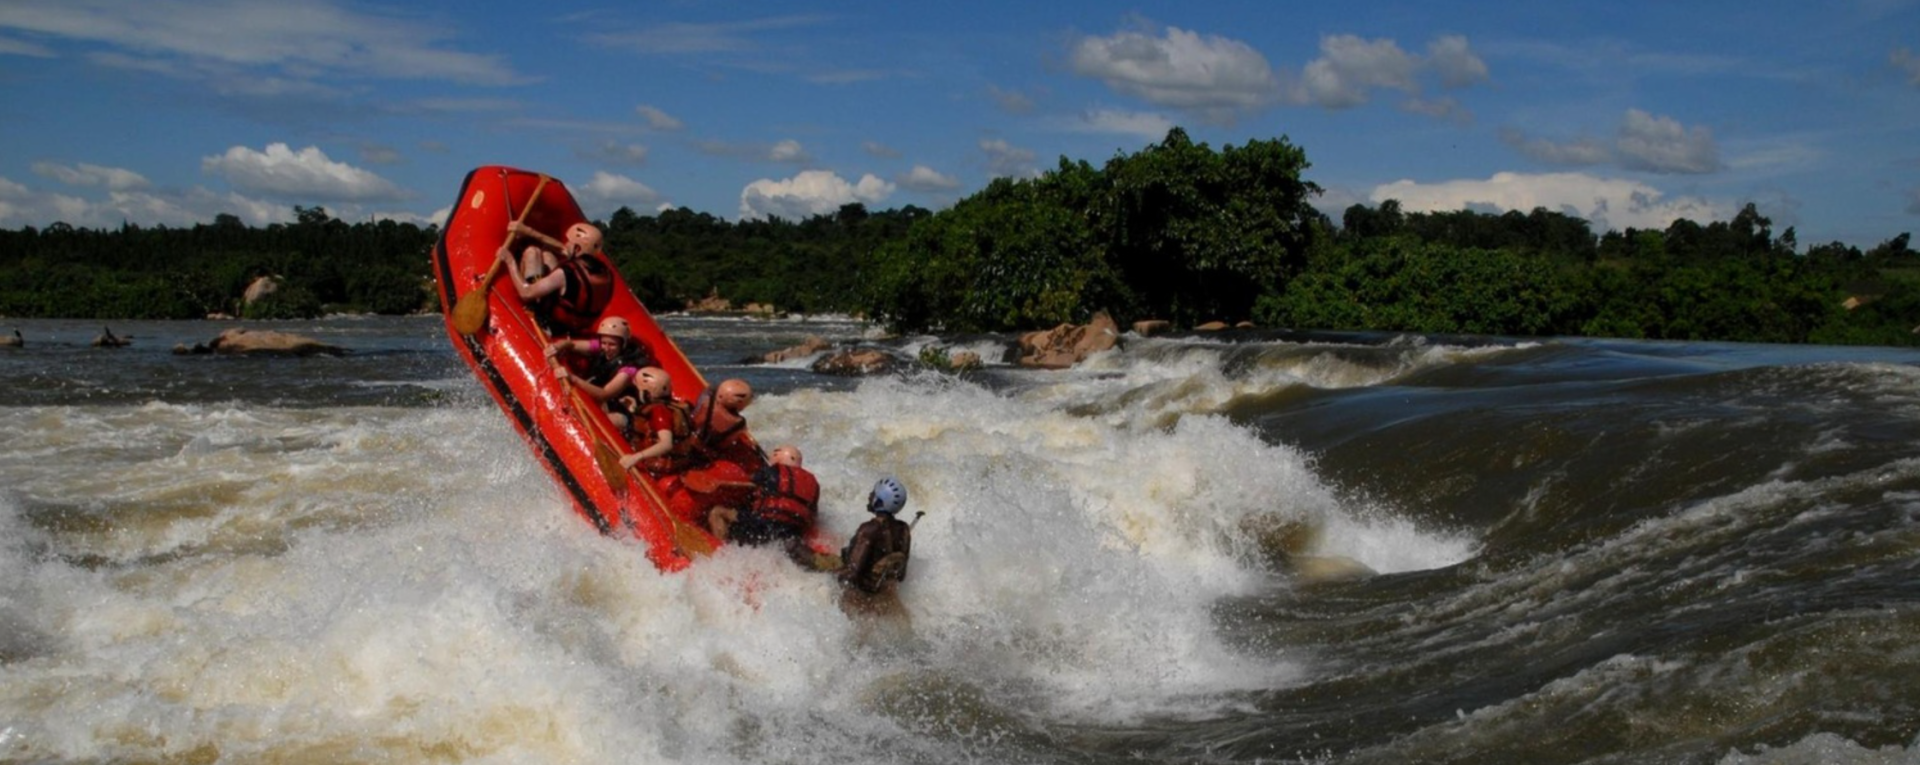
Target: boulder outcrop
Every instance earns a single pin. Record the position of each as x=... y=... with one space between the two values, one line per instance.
x=812 y=345
x=1068 y=344
x=259 y=289
x=243 y=341
x=854 y=362
x=1150 y=327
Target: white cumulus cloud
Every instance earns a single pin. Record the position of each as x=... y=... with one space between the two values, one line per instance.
x=1005 y=160
x=615 y=191
x=788 y=150
x=617 y=153
x=1662 y=145
x=1608 y=203
x=301 y=176
x=110 y=178
x=1349 y=68
x=927 y=179
x=810 y=193
x=1454 y=59
x=657 y=119
x=308 y=40
x=1151 y=126
x=1644 y=141
x=1215 y=77
x=22 y=206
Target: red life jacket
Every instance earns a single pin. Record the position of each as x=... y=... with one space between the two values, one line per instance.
x=680 y=455
x=788 y=496
x=733 y=444
x=589 y=287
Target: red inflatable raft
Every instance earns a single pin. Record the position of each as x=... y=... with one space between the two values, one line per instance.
x=569 y=434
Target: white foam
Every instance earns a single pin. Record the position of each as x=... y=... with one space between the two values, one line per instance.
x=379 y=583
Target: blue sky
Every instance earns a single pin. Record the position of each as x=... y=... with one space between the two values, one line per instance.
x=1629 y=114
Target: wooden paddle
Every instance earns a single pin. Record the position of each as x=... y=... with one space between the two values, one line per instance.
x=608 y=458
x=605 y=456
x=706 y=484
x=470 y=311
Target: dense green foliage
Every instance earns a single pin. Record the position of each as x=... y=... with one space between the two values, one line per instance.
x=812 y=266
x=1543 y=274
x=1184 y=233
x=1177 y=231
x=325 y=264
x=163 y=273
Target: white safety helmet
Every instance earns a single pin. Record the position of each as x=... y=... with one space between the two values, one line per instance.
x=582 y=238
x=888 y=497
x=615 y=326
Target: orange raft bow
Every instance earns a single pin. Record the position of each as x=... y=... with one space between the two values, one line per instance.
x=571 y=436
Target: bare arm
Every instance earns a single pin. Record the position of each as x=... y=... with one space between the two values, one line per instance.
x=516 y=228
x=539 y=288
x=602 y=394
x=662 y=443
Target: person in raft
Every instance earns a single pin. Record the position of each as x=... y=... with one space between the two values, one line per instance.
x=720 y=426
x=875 y=559
x=662 y=433
x=612 y=358
x=567 y=283
x=785 y=503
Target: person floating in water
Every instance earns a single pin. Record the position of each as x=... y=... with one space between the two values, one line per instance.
x=875 y=560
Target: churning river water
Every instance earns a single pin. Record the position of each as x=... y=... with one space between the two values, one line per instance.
x=1250 y=547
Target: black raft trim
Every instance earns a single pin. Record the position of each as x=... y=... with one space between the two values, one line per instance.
x=491 y=375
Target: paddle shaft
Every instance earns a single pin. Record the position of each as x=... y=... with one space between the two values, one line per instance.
x=470 y=311
x=705 y=485
x=525 y=210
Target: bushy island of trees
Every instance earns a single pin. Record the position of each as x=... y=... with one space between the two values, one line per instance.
x=1177 y=231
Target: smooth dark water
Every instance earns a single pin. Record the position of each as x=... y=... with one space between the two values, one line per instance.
x=1250 y=547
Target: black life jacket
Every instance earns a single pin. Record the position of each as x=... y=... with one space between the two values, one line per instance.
x=887 y=542
x=601 y=370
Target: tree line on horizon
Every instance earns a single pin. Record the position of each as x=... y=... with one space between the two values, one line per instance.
x=1177 y=231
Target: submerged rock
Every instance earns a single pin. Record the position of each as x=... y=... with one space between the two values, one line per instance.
x=243 y=341
x=1150 y=327
x=1289 y=546
x=108 y=339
